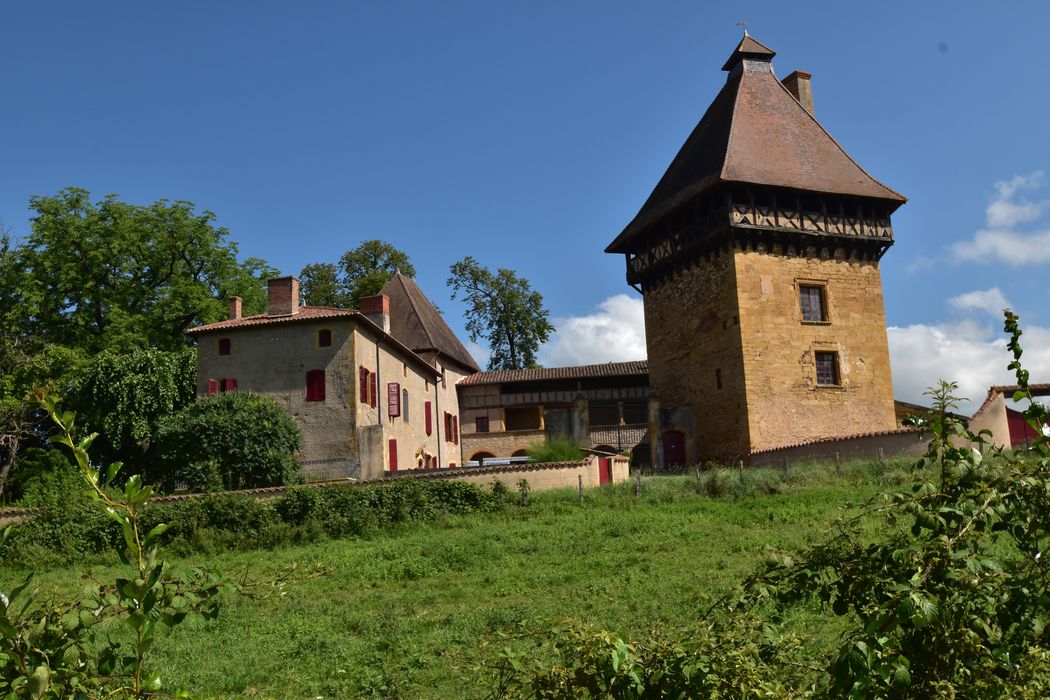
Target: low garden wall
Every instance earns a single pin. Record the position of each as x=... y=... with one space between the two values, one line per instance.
x=894 y=443
x=541 y=477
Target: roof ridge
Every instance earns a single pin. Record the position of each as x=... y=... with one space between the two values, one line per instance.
x=813 y=118
x=412 y=302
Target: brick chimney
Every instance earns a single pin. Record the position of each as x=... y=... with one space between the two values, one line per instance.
x=283 y=296
x=798 y=85
x=235 y=308
x=377 y=310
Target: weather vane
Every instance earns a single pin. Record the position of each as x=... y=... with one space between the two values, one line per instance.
x=743 y=23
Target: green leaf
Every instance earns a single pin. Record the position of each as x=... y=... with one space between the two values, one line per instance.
x=39 y=681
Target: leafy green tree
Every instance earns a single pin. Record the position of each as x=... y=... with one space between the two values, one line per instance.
x=504 y=310
x=124 y=397
x=23 y=365
x=361 y=272
x=369 y=266
x=319 y=285
x=235 y=440
x=101 y=274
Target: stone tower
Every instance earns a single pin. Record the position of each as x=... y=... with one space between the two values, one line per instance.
x=757 y=255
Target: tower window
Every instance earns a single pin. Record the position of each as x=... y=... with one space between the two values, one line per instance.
x=827 y=368
x=224 y=346
x=324 y=338
x=814 y=306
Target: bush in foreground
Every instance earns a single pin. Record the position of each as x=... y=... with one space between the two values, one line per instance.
x=236 y=440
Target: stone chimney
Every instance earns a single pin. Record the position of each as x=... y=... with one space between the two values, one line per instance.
x=377 y=310
x=235 y=308
x=798 y=85
x=283 y=296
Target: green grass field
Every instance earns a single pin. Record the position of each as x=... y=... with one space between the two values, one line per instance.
x=404 y=613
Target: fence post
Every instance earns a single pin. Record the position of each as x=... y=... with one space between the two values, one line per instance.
x=580 y=478
x=785 y=467
x=882 y=457
x=698 y=479
x=637 y=483
x=838 y=464
x=741 y=466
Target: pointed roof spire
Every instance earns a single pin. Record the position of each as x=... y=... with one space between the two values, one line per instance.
x=749 y=48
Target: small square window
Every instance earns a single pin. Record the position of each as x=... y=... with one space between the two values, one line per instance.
x=324 y=338
x=814 y=307
x=481 y=424
x=224 y=346
x=827 y=368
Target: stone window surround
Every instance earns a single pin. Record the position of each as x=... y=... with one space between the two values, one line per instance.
x=825 y=301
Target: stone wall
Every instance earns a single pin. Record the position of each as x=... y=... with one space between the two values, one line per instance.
x=273 y=360
x=785 y=404
x=541 y=477
x=502 y=444
x=693 y=338
x=992 y=416
x=896 y=443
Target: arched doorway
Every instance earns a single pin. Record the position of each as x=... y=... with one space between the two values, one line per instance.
x=520 y=453
x=480 y=457
x=674 y=449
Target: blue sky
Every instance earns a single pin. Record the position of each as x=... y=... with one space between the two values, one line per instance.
x=529 y=134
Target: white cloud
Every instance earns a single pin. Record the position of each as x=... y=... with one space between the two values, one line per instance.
x=613 y=333
x=972 y=354
x=991 y=301
x=999 y=240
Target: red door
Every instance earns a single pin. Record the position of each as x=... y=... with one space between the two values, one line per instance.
x=604 y=470
x=674 y=449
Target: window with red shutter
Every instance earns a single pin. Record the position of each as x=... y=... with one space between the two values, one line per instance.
x=362 y=380
x=213 y=387
x=393 y=454
x=315 y=385
x=426 y=417
x=229 y=384
x=372 y=382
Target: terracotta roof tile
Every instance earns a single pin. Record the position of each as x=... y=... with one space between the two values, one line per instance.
x=756 y=132
x=508 y=376
x=306 y=313
x=416 y=322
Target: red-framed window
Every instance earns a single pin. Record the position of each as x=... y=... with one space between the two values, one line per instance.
x=213 y=387
x=362 y=381
x=428 y=421
x=315 y=385
x=392 y=444
x=229 y=384
x=324 y=338
x=224 y=346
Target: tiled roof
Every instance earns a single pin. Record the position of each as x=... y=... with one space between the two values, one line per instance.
x=841 y=438
x=756 y=132
x=306 y=313
x=416 y=322
x=1008 y=390
x=609 y=369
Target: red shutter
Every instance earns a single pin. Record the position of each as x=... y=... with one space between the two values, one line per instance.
x=372 y=389
x=362 y=379
x=393 y=455
x=315 y=385
x=229 y=384
x=213 y=387
x=428 y=420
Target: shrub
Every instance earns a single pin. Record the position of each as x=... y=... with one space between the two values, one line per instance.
x=235 y=440
x=44 y=477
x=557 y=448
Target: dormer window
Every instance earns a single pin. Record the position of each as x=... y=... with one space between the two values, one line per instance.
x=324 y=338
x=224 y=346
